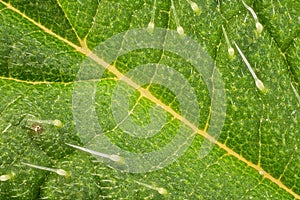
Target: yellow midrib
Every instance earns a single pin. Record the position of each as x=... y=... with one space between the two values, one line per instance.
x=87 y=52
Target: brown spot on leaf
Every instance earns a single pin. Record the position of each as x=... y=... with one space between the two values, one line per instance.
x=37 y=128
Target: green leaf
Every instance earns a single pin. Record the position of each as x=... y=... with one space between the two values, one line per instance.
x=62 y=61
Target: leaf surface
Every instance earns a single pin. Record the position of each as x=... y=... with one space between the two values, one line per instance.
x=43 y=47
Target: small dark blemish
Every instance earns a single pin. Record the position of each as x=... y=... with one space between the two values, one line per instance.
x=37 y=128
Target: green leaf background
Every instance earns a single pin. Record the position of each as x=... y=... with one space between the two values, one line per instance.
x=42 y=45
